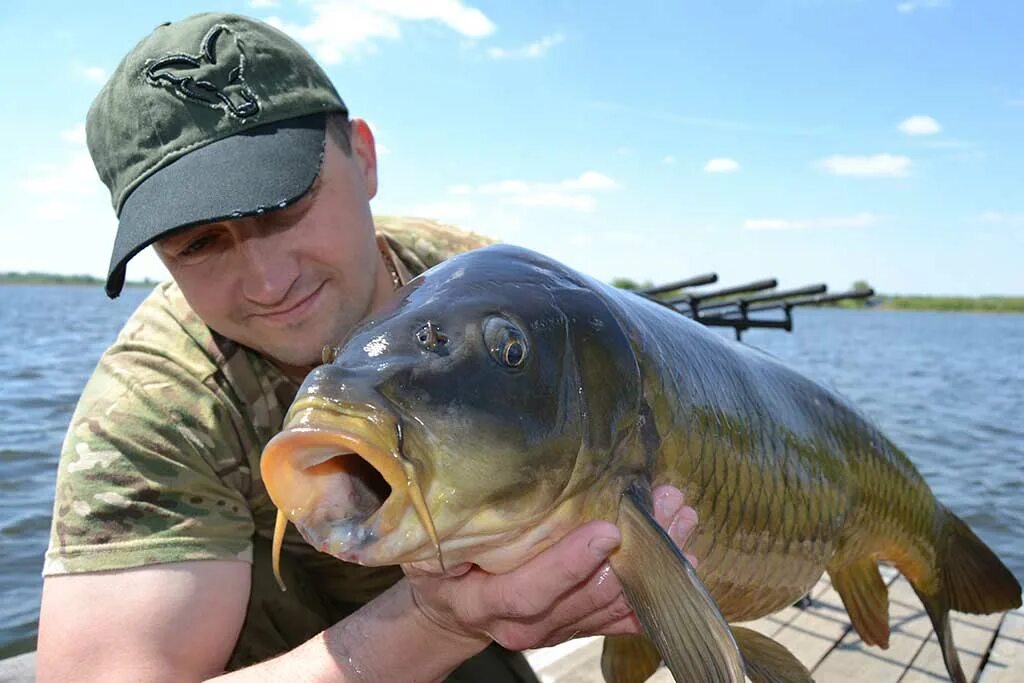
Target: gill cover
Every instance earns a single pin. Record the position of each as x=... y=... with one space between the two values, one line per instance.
x=607 y=376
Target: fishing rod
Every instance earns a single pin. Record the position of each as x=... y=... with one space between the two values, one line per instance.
x=744 y=302
x=694 y=300
x=695 y=281
x=732 y=306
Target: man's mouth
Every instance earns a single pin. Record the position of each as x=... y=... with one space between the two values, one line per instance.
x=293 y=311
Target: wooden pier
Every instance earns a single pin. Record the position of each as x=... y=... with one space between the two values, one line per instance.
x=991 y=647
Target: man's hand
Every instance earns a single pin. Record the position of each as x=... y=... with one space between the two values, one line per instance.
x=568 y=590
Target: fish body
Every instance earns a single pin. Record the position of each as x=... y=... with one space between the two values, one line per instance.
x=504 y=399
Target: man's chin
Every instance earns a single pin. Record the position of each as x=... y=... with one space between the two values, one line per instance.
x=295 y=362
x=282 y=348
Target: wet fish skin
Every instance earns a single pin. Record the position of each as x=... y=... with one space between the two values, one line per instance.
x=788 y=478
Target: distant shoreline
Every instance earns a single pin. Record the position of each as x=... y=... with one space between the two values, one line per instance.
x=74 y=280
x=941 y=304
x=883 y=302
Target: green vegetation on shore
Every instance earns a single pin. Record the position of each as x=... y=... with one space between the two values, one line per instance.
x=955 y=304
x=978 y=304
x=11 y=278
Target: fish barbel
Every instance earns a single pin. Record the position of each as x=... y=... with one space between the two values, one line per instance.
x=505 y=398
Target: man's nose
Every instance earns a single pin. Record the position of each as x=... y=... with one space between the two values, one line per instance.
x=270 y=267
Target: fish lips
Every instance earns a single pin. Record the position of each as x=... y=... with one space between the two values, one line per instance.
x=345 y=484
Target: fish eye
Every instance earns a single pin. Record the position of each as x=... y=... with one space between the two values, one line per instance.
x=514 y=353
x=505 y=342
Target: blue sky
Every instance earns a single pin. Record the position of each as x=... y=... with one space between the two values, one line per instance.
x=814 y=140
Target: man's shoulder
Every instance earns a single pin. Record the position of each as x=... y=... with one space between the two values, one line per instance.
x=166 y=348
x=422 y=243
x=158 y=364
x=164 y=330
x=160 y=459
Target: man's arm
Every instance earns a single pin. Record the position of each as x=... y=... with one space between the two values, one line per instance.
x=168 y=622
x=179 y=622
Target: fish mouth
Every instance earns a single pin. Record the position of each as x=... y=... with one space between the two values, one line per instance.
x=339 y=474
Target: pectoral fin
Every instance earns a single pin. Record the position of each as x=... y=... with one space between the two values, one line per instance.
x=628 y=659
x=767 y=661
x=674 y=607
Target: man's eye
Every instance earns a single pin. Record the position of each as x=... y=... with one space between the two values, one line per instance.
x=196 y=246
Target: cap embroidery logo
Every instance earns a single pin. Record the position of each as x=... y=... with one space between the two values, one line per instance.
x=215 y=77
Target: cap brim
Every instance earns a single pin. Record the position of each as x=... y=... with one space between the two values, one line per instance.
x=257 y=170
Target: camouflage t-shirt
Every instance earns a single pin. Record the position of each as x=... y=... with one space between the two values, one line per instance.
x=161 y=461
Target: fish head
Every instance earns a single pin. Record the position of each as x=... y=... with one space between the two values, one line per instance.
x=494 y=389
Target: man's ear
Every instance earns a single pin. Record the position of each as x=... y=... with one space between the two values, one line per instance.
x=364 y=151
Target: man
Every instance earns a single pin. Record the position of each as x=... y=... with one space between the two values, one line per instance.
x=226 y=146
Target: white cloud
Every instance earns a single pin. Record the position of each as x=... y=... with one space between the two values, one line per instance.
x=261 y=4
x=556 y=199
x=74 y=135
x=343 y=28
x=913 y=5
x=64 y=218
x=574 y=193
x=860 y=220
x=96 y=74
x=505 y=187
x=532 y=51
x=66 y=224
x=59 y=188
x=449 y=212
x=876 y=166
x=590 y=180
x=721 y=165
x=669 y=160
x=920 y=125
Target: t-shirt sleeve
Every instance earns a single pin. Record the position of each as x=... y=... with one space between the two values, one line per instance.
x=143 y=471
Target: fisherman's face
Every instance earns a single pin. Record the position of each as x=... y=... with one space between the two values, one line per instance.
x=290 y=281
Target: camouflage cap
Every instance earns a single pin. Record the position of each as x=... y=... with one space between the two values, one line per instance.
x=213 y=117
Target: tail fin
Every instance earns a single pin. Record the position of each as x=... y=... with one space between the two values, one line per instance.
x=972 y=579
x=976 y=580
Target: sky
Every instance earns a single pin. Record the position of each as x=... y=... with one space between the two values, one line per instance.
x=811 y=140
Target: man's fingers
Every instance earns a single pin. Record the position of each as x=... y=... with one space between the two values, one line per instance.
x=595 y=622
x=539 y=583
x=682 y=525
x=566 y=591
x=626 y=625
x=667 y=501
x=672 y=513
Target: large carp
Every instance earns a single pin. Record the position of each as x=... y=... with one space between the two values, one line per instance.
x=504 y=399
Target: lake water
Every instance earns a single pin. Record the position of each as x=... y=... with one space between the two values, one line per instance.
x=946 y=387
